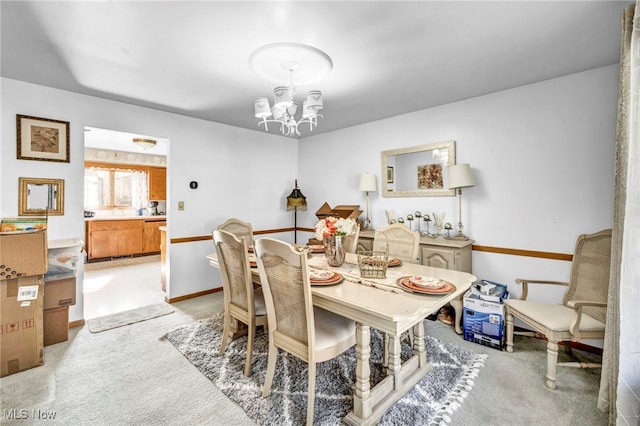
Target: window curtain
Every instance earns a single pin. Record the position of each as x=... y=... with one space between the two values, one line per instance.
x=139 y=187
x=620 y=378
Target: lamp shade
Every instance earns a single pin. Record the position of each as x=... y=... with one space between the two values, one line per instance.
x=295 y=200
x=261 y=107
x=367 y=182
x=460 y=176
x=282 y=97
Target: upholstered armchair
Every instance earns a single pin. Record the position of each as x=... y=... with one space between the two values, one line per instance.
x=582 y=313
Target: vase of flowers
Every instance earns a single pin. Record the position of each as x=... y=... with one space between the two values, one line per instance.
x=331 y=231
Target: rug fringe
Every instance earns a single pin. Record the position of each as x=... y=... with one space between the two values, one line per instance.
x=459 y=392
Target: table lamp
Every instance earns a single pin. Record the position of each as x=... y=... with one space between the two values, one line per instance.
x=460 y=176
x=367 y=184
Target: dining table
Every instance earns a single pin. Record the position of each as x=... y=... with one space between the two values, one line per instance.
x=392 y=305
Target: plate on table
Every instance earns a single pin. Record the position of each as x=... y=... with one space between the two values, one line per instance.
x=319 y=277
x=317 y=248
x=406 y=284
x=394 y=262
x=430 y=283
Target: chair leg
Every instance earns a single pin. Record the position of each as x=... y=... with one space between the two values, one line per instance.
x=311 y=393
x=567 y=347
x=552 y=359
x=250 y=339
x=225 y=333
x=271 y=368
x=509 y=331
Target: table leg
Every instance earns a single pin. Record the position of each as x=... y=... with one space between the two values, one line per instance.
x=419 y=346
x=457 y=306
x=394 y=361
x=362 y=404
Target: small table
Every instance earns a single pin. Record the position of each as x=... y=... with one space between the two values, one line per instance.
x=390 y=312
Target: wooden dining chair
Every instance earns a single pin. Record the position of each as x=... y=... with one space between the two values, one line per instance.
x=583 y=310
x=401 y=242
x=241 y=302
x=295 y=325
x=238 y=228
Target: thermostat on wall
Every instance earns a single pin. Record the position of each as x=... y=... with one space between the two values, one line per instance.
x=193 y=184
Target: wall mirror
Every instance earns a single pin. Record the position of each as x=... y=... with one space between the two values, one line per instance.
x=40 y=197
x=418 y=171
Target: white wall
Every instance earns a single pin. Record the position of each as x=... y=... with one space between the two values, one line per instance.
x=542 y=157
x=241 y=173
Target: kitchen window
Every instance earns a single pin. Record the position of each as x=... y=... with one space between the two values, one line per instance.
x=109 y=188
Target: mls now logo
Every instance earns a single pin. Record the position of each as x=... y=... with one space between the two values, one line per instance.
x=15 y=414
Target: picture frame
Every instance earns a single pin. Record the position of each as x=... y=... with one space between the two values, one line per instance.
x=419 y=171
x=389 y=174
x=42 y=139
x=40 y=197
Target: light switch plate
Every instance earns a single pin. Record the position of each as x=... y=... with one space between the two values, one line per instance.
x=180 y=205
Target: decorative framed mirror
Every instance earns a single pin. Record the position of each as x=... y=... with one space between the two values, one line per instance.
x=418 y=171
x=41 y=197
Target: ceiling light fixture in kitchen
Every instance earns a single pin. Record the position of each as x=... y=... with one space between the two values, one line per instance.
x=144 y=143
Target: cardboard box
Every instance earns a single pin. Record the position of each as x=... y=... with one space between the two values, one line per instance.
x=63 y=258
x=343 y=211
x=483 y=314
x=21 y=324
x=56 y=326
x=23 y=254
x=21 y=224
x=59 y=293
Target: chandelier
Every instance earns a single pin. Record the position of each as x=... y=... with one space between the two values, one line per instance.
x=279 y=61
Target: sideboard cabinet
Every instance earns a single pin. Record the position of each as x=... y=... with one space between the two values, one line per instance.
x=437 y=252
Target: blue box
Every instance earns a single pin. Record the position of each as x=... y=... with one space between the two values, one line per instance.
x=483 y=313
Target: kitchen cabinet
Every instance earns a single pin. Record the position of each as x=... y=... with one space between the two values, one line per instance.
x=439 y=253
x=151 y=237
x=157 y=183
x=111 y=238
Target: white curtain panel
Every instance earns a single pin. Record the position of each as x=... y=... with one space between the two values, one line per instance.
x=620 y=378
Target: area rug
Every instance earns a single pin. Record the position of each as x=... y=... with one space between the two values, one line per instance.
x=109 y=322
x=431 y=401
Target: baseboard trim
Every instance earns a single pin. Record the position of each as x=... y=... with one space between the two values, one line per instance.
x=192 y=295
x=574 y=345
x=76 y=323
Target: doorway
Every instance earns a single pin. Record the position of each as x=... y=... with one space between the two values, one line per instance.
x=122 y=220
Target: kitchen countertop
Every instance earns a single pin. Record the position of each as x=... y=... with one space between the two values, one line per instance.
x=145 y=217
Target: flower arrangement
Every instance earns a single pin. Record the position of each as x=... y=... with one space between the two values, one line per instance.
x=330 y=226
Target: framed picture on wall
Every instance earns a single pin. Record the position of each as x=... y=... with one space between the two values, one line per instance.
x=42 y=139
x=389 y=174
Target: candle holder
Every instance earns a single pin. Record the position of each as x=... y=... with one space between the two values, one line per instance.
x=448 y=228
x=438 y=218
x=418 y=215
x=427 y=219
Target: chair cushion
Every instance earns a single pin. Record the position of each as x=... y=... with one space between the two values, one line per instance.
x=258 y=301
x=555 y=317
x=332 y=329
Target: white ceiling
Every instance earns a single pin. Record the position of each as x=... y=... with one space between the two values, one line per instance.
x=389 y=58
